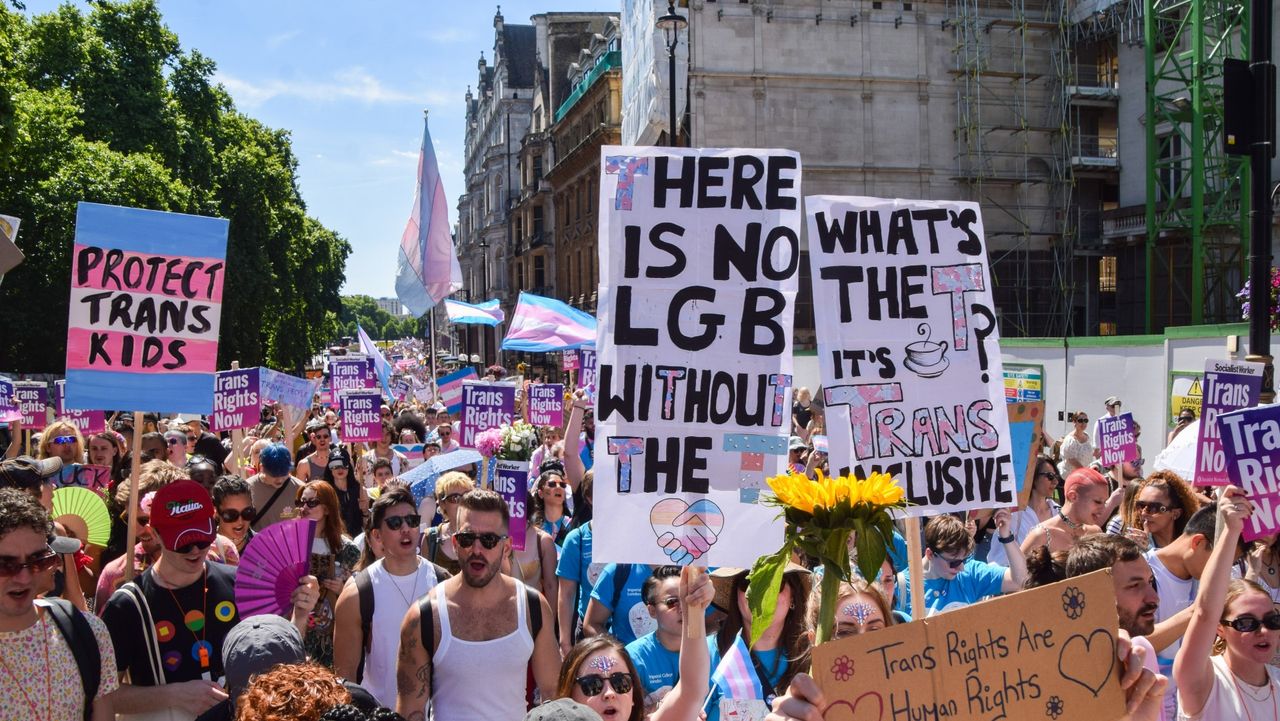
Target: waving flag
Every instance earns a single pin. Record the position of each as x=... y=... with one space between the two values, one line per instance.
x=546 y=324
x=380 y=365
x=450 y=388
x=428 y=269
x=486 y=313
x=736 y=676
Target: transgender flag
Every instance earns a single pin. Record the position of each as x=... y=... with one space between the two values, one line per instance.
x=428 y=269
x=736 y=676
x=450 y=388
x=546 y=324
x=486 y=313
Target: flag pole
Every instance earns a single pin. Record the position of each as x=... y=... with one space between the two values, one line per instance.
x=431 y=347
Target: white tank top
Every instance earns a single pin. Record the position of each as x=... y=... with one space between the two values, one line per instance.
x=392 y=596
x=481 y=680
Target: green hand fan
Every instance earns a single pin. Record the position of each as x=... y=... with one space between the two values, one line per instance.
x=89 y=507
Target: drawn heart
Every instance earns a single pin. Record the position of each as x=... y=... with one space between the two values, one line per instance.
x=845 y=711
x=1089 y=660
x=686 y=531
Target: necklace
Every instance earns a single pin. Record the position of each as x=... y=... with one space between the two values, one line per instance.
x=1070 y=524
x=48 y=683
x=1242 y=694
x=413 y=594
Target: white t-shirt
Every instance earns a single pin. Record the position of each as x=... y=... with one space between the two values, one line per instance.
x=392 y=597
x=1175 y=595
x=1230 y=698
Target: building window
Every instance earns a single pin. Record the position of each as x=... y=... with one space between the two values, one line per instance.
x=1170 y=164
x=537 y=220
x=539 y=271
x=1108 y=327
x=537 y=168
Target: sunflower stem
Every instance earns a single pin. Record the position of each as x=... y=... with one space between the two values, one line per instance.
x=827 y=609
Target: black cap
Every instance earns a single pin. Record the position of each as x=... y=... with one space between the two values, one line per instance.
x=26 y=472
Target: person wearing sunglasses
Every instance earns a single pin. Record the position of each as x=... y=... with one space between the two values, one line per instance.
x=145 y=553
x=313 y=466
x=1040 y=507
x=176 y=447
x=1076 y=447
x=353 y=501
x=32 y=652
x=482 y=677
x=436 y=544
x=234 y=505
x=333 y=561
x=656 y=654
x=383 y=451
x=447 y=442
x=952 y=577
x=175 y=616
x=548 y=510
x=1162 y=506
x=63 y=440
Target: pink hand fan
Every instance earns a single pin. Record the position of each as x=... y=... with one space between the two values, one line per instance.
x=276 y=558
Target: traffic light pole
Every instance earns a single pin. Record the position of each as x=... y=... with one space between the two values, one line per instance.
x=1263 y=147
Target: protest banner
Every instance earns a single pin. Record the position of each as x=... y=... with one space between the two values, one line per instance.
x=83 y=475
x=1251 y=444
x=1117 y=439
x=450 y=388
x=485 y=406
x=546 y=404
x=33 y=402
x=284 y=388
x=699 y=268
x=908 y=349
x=587 y=372
x=351 y=373
x=87 y=422
x=511 y=481
x=236 y=400
x=360 y=414
x=1046 y=653
x=569 y=360
x=1026 y=424
x=146 y=306
x=9 y=409
x=1227 y=386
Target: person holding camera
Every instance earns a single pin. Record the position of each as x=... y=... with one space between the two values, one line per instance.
x=1185 y=416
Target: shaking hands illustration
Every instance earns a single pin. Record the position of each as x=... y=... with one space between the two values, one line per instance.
x=686 y=532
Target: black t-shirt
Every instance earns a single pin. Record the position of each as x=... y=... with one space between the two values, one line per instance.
x=802 y=414
x=185 y=620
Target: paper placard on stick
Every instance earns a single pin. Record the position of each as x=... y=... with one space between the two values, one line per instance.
x=484 y=406
x=450 y=388
x=360 y=414
x=699 y=268
x=1227 y=386
x=546 y=404
x=9 y=409
x=87 y=422
x=237 y=398
x=287 y=389
x=569 y=360
x=351 y=374
x=146 y=306
x=1117 y=439
x=1047 y=653
x=1251 y=447
x=511 y=481
x=1026 y=424
x=908 y=349
x=33 y=402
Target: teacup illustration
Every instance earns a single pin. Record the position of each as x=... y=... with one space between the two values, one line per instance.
x=926 y=358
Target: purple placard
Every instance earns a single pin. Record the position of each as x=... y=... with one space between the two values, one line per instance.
x=33 y=401
x=351 y=374
x=87 y=422
x=9 y=410
x=1227 y=386
x=360 y=412
x=511 y=481
x=546 y=404
x=236 y=399
x=587 y=375
x=485 y=406
x=1116 y=436
x=569 y=360
x=1248 y=439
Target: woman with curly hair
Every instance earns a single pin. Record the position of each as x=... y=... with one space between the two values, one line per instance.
x=1162 y=505
x=292 y=692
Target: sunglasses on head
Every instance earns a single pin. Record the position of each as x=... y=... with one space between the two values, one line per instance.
x=593 y=683
x=1150 y=507
x=395 y=522
x=191 y=547
x=10 y=567
x=1248 y=624
x=231 y=515
x=466 y=539
x=309 y=503
x=63 y=440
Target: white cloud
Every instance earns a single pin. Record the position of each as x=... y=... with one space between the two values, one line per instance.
x=277 y=40
x=397 y=157
x=353 y=83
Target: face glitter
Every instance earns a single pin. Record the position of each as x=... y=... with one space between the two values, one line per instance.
x=603 y=663
x=860 y=612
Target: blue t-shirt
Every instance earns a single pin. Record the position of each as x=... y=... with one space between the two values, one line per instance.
x=659 y=668
x=765 y=659
x=631 y=619
x=976 y=581
x=575 y=565
x=553 y=528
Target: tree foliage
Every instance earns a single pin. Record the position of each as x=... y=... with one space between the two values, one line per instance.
x=378 y=323
x=105 y=106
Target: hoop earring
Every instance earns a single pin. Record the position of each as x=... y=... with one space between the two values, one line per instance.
x=1219 y=646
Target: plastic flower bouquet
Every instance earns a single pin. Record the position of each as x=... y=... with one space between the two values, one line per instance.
x=518 y=441
x=489 y=442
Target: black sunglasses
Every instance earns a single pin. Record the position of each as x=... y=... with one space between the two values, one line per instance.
x=1150 y=507
x=1050 y=474
x=310 y=503
x=190 y=547
x=231 y=515
x=669 y=603
x=173 y=441
x=1082 y=420
x=452 y=498
x=466 y=539
x=395 y=522
x=10 y=567
x=556 y=484
x=593 y=683
x=1247 y=624
x=953 y=564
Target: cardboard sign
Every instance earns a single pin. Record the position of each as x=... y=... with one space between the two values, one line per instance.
x=1227 y=386
x=83 y=475
x=484 y=406
x=511 y=481
x=146 y=305
x=360 y=413
x=87 y=422
x=699 y=269
x=33 y=403
x=1117 y=440
x=9 y=409
x=236 y=400
x=569 y=360
x=908 y=349
x=546 y=404
x=1047 y=653
x=284 y=388
x=1026 y=424
x=1251 y=444
x=351 y=374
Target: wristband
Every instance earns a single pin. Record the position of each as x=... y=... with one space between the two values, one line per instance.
x=1006 y=539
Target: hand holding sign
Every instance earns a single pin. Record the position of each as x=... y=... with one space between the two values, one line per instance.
x=686 y=532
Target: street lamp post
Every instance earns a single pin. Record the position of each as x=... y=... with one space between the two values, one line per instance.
x=671 y=24
x=484 y=289
x=1263 y=150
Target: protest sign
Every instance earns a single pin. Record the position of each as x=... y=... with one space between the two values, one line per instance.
x=485 y=406
x=284 y=388
x=546 y=404
x=9 y=409
x=360 y=414
x=1251 y=444
x=587 y=372
x=1026 y=424
x=351 y=374
x=699 y=265
x=450 y=387
x=512 y=483
x=33 y=402
x=1046 y=653
x=83 y=475
x=908 y=349
x=569 y=360
x=10 y=256
x=87 y=422
x=146 y=306
x=1227 y=386
x=236 y=400
x=1117 y=440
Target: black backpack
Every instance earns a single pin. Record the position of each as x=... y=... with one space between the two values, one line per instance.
x=364 y=590
x=533 y=600
x=78 y=634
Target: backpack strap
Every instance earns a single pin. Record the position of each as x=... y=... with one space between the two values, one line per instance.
x=78 y=634
x=534 y=601
x=619 y=585
x=134 y=593
x=427 y=621
x=364 y=588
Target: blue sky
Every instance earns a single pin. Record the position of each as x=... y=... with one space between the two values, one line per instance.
x=350 y=81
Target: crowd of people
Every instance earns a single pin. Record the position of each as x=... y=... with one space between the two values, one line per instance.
x=421 y=607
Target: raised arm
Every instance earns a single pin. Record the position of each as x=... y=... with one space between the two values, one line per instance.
x=685 y=700
x=1016 y=575
x=573 y=468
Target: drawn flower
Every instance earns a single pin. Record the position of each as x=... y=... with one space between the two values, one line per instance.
x=1054 y=708
x=1073 y=602
x=842 y=669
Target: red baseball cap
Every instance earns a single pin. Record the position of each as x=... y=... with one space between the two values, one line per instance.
x=182 y=513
